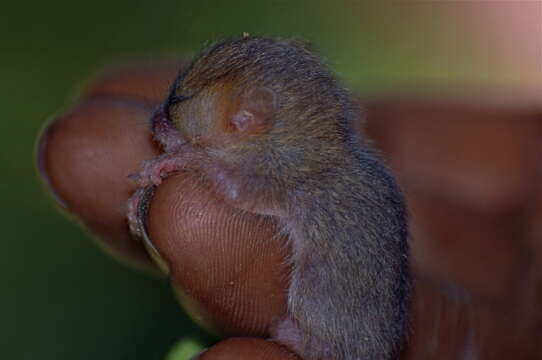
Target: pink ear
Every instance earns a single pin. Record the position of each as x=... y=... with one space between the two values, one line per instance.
x=254 y=111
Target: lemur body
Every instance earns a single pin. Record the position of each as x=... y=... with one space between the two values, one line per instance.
x=274 y=133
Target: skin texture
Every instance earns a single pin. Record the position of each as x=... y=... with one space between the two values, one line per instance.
x=460 y=304
x=468 y=201
x=266 y=124
x=89 y=142
x=247 y=348
x=96 y=128
x=222 y=260
x=473 y=182
x=145 y=83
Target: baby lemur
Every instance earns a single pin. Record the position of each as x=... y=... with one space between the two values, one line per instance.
x=274 y=133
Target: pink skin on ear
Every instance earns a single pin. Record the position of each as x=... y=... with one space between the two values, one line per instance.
x=254 y=111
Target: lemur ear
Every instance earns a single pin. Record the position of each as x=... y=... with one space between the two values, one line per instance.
x=254 y=111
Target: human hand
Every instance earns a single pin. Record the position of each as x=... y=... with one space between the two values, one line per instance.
x=232 y=278
x=228 y=271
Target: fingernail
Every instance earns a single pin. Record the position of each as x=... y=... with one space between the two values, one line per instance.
x=142 y=215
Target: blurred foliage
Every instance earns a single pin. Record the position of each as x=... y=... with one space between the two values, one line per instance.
x=185 y=349
x=62 y=298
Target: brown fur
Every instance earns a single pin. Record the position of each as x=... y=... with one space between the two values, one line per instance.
x=297 y=156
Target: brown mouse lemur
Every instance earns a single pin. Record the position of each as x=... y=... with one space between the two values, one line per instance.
x=274 y=133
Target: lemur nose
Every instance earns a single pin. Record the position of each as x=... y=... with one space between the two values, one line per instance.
x=159 y=121
x=165 y=132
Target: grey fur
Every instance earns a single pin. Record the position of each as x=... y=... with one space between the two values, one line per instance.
x=341 y=207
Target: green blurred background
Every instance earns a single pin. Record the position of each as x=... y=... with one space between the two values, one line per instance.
x=62 y=297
